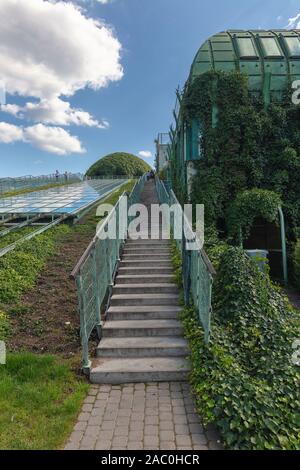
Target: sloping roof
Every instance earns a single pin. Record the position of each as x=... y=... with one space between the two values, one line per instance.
x=269 y=58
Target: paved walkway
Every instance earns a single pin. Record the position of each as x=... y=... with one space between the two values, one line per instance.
x=138 y=416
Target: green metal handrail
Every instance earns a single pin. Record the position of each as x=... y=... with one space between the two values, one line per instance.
x=197 y=270
x=94 y=273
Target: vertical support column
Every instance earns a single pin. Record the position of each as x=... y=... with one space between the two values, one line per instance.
x=283 y=244
x=96 y=289
x=86 y=363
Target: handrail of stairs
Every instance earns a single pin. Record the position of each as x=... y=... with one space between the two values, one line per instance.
x=95 y=271
x=197 y=270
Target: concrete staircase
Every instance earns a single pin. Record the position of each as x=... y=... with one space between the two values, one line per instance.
x=142 y=338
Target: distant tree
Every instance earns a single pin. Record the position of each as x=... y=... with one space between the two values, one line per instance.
x=119 y=164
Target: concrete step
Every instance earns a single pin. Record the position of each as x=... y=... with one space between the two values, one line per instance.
x=142 y=347
x=155 y=312
x=145 y=279
x=147 y=243
x=144 y=299
x=140 y=271
x=146 y=288
x=146 y=250
x=145 y=256
x=131 y=328
x=145 y=263
x=160 y=369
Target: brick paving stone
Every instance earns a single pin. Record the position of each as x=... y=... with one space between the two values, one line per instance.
x=167 y=446
x=83 y=416
x=167 y=435
x=151 y=430
x=121 y=431
x=102 y=445
x=180 y=419
x=141 y=416
x=166 y=425
x=179 y=410
x=120 y=441
x=166 y=416
x=199 y=439
x=87 y=407
x=135 y=446
x=80 y=426
x=182 y=429
x=89 y=399
x=151 y=441
x=151 y=420
x=193 y=418
x=183 y=440
x=107 y=425
x=196 y=428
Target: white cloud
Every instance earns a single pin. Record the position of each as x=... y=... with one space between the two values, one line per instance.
x=50 y=139
x=294 y=23
x=50 y=49
x=145 y=154
x=54 y=111
x=10 y=133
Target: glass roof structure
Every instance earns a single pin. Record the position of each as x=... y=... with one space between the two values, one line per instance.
x=69 y=199
x=269 y=59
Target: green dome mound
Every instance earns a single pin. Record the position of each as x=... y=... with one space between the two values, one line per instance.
x=119 y=164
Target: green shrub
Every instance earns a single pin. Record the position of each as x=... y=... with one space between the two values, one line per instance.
x=119 y=164
x=249 y=205
x=244 y=379
x=297 y=264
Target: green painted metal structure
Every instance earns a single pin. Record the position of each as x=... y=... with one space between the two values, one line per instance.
x=270 y=60
x=94 y=273
x=197 y=270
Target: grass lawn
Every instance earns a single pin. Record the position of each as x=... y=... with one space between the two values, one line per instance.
x=40 y=397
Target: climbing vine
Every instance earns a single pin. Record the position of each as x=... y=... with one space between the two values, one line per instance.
x=247 y=206
x=250 y=146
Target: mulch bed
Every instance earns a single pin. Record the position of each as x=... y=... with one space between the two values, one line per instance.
x=47 y=320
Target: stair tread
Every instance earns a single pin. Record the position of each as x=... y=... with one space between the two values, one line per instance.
x=145 y=276
x=153 y=260
x=144 y=309
x=144 y=296
x=134 y=286
x=136 y=324
x=143 y=342
x=143 y=364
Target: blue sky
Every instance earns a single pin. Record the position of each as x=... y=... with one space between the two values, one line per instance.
x=158 y=40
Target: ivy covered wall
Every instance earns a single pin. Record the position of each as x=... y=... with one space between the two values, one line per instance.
x=244 y=145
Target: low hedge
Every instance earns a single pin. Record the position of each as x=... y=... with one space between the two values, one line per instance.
x=244 y=379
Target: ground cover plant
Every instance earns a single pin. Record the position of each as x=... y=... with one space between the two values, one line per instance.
x=244 y=380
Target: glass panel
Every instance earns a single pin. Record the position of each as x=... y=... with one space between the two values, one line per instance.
x=271 y=48
x=293 y=46
x=246 y=48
